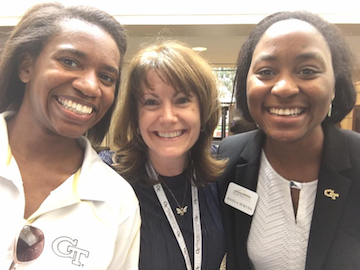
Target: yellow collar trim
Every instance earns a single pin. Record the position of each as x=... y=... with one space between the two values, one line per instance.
x=9 y=157
x=76 y=181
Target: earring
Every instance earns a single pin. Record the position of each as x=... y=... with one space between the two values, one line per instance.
x=138 y=130
x=330 y=109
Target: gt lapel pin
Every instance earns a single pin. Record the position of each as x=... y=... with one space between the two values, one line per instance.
x=331 y=194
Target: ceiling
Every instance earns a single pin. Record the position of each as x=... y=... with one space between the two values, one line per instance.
x=223 y=41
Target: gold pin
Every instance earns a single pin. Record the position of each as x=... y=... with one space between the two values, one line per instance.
x=331 y=194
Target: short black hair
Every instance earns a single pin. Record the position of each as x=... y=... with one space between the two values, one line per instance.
x=342 y=60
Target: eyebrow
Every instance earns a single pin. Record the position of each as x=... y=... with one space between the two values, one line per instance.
x=152 y=93
x=265 y=57
x=83 y=55
x=311 y=55
x=300 y=57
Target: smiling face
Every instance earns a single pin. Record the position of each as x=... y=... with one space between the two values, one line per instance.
x=291 y=82
x=71 y=84
x=169 y=122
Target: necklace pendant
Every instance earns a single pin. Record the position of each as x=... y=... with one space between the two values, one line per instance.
x=181 y=210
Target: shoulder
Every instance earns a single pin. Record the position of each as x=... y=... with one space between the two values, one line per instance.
x=100 y=181
x=353 y=145
x=233 y=145
x=106 y=177
x=334 y=132
x=238 y=138
x=352 y=136
x=341 y=152
x=342 y=141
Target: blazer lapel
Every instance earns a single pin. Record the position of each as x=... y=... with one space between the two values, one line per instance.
x=248 y=169
x=247 y=175
x=331 y=197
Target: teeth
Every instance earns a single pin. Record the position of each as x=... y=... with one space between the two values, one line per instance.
x=286 y=112
x=74 y=107
x=169 y=134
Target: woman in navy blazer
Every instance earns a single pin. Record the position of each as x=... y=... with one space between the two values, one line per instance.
x=291 y=191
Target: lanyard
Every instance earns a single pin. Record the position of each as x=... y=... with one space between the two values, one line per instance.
x=174 y=224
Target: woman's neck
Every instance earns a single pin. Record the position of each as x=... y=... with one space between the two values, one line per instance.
x=168 y=167
x=299 y=161
x=38 y=146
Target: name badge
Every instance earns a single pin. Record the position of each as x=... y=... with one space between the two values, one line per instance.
x=241 y=198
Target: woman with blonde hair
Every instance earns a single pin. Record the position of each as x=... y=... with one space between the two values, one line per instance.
x=163 y=135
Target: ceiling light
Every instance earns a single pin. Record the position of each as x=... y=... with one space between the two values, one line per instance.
x=199 y=49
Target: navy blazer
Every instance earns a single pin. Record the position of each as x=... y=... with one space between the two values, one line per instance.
x=334 y=240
